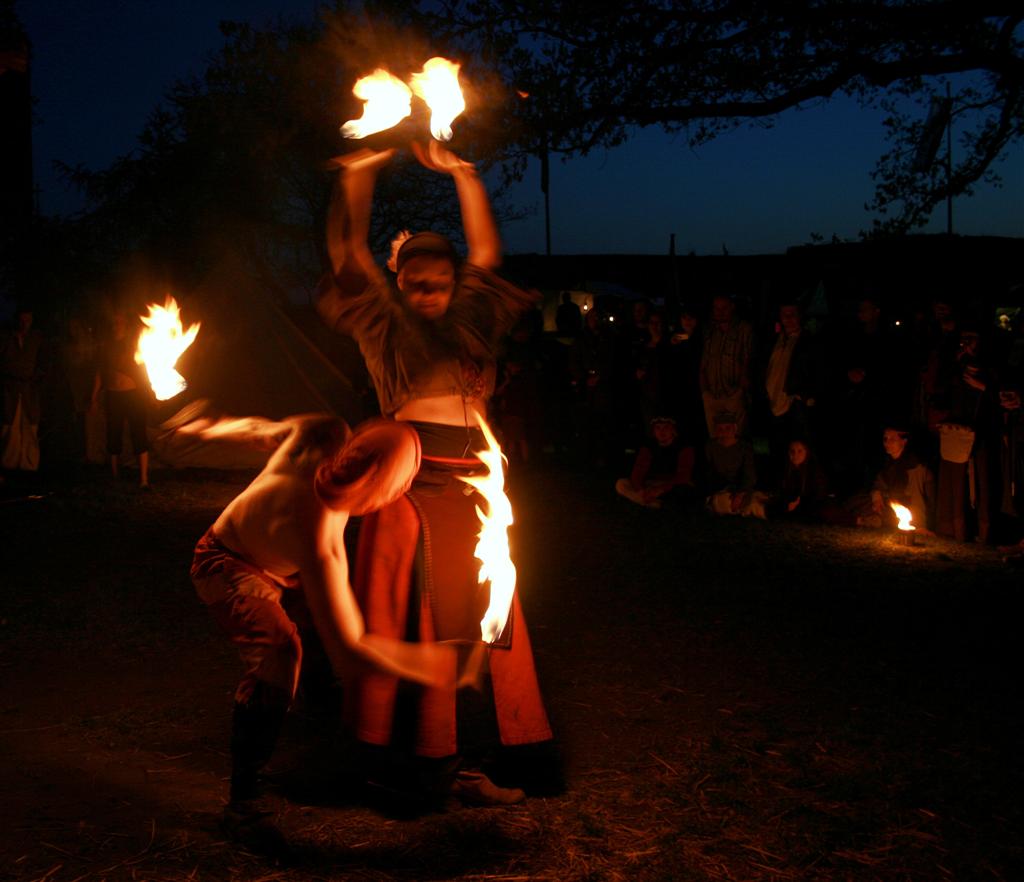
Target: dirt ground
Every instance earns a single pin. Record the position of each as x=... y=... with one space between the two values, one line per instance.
x=734 y=700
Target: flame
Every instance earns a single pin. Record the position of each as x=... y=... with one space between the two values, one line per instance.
x=904 y=516
x=492 y=549
x=387 y=101
x=160 y=345
x=438 y=85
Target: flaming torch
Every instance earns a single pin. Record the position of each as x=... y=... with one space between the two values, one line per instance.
x=904 y=517
x=438 y=85
x=160 y=345
x=492 y=549
x=387 y=101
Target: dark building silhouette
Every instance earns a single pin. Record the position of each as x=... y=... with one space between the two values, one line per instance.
x=905 y=271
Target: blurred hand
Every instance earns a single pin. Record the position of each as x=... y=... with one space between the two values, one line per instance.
x=471 y=667
x=438 y=158
x=856 y=375
x=363 y=159
x=973 y=382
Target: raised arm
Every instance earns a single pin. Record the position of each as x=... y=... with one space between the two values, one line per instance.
x=348 y=230
x=481 y=232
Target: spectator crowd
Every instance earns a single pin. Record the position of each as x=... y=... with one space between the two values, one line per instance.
x=826 y=420
x=745 y=412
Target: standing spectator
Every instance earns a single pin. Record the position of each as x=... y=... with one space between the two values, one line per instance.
x=568 y=318
x=20 y=361
x=637 y=334
x=863 y=383
x=725 y=364
x=591 y=363
x=791 y=381
x=1011 y=458
x=964 y=439
x=687 y=406
x=126 y=396
x=80 y=364
x=517 y=397
x=652 y=370
x=937 y=361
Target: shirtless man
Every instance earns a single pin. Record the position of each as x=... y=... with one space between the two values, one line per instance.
x=284 y=533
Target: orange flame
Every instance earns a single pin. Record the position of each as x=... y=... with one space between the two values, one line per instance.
x=904 y=516
x=492 y=548
x=160 y=345
x=387 y=101
x=438 y=85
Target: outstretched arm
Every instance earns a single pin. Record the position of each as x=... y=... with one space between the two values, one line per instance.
x=482 y=237
x=198 y=420
x=339 y=622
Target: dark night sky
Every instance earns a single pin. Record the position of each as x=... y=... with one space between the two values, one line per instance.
x=100 y=67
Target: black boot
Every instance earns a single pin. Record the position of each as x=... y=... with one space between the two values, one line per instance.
x=255 y=727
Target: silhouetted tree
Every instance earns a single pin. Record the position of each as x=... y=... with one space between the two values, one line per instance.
x=236 y=156
x=597 y=71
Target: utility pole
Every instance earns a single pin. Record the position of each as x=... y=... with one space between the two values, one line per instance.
x=949 y=164
x=545 y=187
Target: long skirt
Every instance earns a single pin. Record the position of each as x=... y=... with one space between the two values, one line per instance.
x=416 y=578
x=19 y=441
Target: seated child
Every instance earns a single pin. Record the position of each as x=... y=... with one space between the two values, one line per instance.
x=804 y=488
x=731 y=472
x=903 y=479
x=662 y=469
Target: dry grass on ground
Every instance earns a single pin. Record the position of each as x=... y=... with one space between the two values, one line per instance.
x=735 y=700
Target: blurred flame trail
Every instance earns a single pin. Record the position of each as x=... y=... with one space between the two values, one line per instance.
x=438 y=85
x=387 y=102
x=492 y=548
x=161 y=343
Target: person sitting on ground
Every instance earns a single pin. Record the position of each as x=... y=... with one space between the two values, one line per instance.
x=803 y=488
x=731 y=471
x=283 y=535
x=663 y=468
x=903 y=479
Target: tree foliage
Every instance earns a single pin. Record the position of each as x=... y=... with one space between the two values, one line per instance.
x=236 y=156
x=595 y=72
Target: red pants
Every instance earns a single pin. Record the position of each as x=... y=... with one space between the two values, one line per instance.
x=246 y=604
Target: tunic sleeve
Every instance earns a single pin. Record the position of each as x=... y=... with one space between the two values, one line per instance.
x=485 y=308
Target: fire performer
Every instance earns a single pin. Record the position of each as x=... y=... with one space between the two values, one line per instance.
x=430 y=349
x=282 y=538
